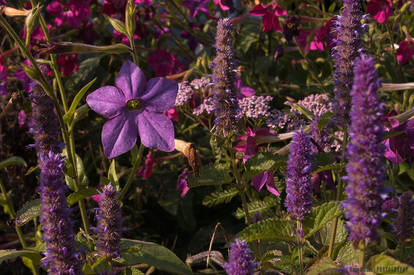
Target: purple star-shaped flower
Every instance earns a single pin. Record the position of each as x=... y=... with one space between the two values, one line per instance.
x=135 y=107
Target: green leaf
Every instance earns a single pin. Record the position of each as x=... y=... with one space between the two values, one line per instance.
x=12 y=161
x=112 y=176
x=69 y=115
x=323 y=120
x=324 y=235
x=258 y=206
x=117 y=24
x=219 y=197
x=308 y=114
x=140 y=252
x=12 y=254
x=80 y=195
x=324 y=266
x=30 y=210
x=383 y=264
x=346 y=254
x=210 y=175
x=320 y=216
x=261 y=163
x=273 y=228
x=132 y=271
x=69 y=174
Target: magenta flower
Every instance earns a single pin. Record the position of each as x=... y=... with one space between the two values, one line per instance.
x=135 y=107
x=68 y=63
x=380 y=10
x=265 y=178
x=224 y=4
x=405 y=50
x=270 y=13
x=196 y=6
x=146 y=171
x=248 y=144
x=182 y=185
x=172 y=114
x=70 y=14
x=164 y=63
x=400 y=148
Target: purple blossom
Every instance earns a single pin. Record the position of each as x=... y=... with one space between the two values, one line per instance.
x=184 y=94
x=265 y=178
x=182 y=186
x=224 y=78
x=196 y=6
x=347 y=49
x=209 y=105
x=401 y=147
x=404 y=224
x=199 y=83
x=28 y=83
x=135 y=107
x=70 y=14
x=109 y=224
x=298 y=182
x=60 y=255
x=365 y=168
x=240 y=259
x=255 y=106
x=277 y=119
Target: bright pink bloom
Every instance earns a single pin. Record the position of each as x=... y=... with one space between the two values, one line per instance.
x=248 y=144
x=172 y=114
x=265 y=178
x=380 y=10
x=182 y=185
x=146 y=2
x=405 y=50
x=70 y=14
x=164 y=63
x=224 y=4
x=146 y=171
x=270 y=13
x=68 y=63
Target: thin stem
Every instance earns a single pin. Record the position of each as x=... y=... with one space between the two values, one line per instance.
x=134 y=50
x=299 y=227
x=362 y=256
x=132 y=173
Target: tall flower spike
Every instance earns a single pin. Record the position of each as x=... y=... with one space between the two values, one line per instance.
x=44 y=123
x=57 y=229
x=298 y=183
x=224 y=78
x=404 y=224
x=347 y=49
x=240 y=260
x=109 y=224
x=365 y=151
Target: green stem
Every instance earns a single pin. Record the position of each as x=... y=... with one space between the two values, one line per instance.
x=299 y=226
x=134 y=50
x=362 y=256
x=132 y=173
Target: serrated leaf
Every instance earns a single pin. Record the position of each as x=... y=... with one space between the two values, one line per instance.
x=346 y=254
x=324 y=266
x=257 y=206
x=12 y=161
x=80 y=195
x=12 y=254
x=210 y=175
x=140 y=252
x=69 y=115
x=219 y=197
x=261 y=163
x=273 y=228
x=384 y=264
x=320 y=216
x=117 y=25
x=28 y=212
x=324 y=235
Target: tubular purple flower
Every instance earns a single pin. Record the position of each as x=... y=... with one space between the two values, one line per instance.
x=347 y=49
x=240 y=260
x=109 y=224
x=61 y=255
x=44 y=123
x=404 y=224
x=298 y=182
x=365 y=151
x=224 y=78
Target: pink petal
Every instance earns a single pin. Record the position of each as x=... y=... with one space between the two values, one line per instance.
x=259 y=10
x=156 y=131
x=131 y=80
x=108 y=101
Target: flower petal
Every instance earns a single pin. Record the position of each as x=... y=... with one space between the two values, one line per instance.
x=119 y=135
x=107 y=101
x=160 y=94
x=131 y=80
x=259 y=181
x=156 y=131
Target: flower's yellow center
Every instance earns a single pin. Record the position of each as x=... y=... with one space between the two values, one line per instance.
x=134 y=104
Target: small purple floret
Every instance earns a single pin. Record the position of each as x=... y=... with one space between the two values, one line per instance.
x=240 y=260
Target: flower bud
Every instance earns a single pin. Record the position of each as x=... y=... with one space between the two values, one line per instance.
x=31 y=23
x=130 y=19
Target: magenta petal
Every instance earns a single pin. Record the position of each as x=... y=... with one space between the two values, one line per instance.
x=160 y=94
x=259 y=181
x=119 y=135
x=156 y=131
x=107 y=101
x=270 y=184
x=131 y=80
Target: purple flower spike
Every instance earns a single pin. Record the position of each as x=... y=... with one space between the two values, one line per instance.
x=109 y=224
x=365 y=168
x=298 y=183
x=61 y=256
x=240 y=260
x=404 y=224
x=134 y=107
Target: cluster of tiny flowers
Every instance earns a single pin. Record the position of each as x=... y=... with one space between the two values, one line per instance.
x=224 y=77
x=57 y=229
x=347 y=49
x=209 y=105
x=336 y=144
x=298 y=181
x=295 y=123
x=240 y=260
x=44 y=124
x=277 y=119
x=109 y=224
x=200 y=83
x=404 y=223
x=184 y=94
x=255 y=106
x=318 y=104
x=365 y=151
